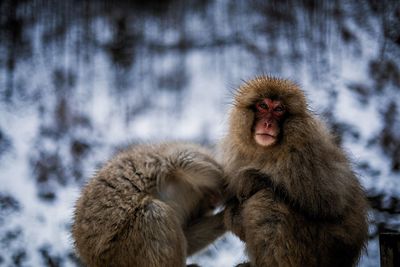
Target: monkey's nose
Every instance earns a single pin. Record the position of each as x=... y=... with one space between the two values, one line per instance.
x=267 y=124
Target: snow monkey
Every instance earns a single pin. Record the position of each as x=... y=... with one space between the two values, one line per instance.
x=296 y=200
x=149 y=206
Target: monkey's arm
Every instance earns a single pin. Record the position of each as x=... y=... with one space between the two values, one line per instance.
x=204 y=231
x=241 y=187
x=233 y=217
x=250 y=181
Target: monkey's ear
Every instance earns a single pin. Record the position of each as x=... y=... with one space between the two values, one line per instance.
x=167 y=184
x=200 y=182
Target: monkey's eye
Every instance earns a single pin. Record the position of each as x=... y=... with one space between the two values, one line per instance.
x=262 y=105
x=279 y=109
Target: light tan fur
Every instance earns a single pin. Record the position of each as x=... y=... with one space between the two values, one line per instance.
x=149 y=206
x=296 y=202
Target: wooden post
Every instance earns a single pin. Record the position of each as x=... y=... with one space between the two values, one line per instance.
x=389 y=244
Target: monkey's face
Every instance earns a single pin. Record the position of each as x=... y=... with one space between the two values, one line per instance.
x=268 y=115
x=263 y=109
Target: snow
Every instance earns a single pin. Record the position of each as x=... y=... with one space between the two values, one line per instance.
x=226 y=251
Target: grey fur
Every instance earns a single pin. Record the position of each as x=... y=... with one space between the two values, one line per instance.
x=149 y=207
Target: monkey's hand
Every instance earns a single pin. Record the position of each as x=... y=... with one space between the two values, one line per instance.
x=233 y=217
x=203 y=231
x=249 y=181
x=244 y=264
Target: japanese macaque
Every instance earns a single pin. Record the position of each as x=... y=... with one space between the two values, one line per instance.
x=149 y=206
x=296 y=200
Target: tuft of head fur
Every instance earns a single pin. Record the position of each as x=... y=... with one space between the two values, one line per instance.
x=261 y=87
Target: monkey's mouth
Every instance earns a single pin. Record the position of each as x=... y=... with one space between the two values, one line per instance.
x=266 y=135
x=265 y=139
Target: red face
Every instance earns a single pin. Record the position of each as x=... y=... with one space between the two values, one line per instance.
x=266 y=126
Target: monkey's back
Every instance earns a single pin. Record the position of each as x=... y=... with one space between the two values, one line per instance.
x=124 y=217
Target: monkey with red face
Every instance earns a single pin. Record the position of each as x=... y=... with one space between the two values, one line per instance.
x=296 y=201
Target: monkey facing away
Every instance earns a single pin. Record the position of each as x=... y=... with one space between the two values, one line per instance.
x=296 y=200
x=150 y=206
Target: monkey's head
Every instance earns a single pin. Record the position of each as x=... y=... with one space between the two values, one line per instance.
x=261 y=109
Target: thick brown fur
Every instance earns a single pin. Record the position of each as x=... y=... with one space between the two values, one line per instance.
x=149 y=206
x=296 y=202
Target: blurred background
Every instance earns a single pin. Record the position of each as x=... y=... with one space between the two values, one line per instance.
x=80 y=79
